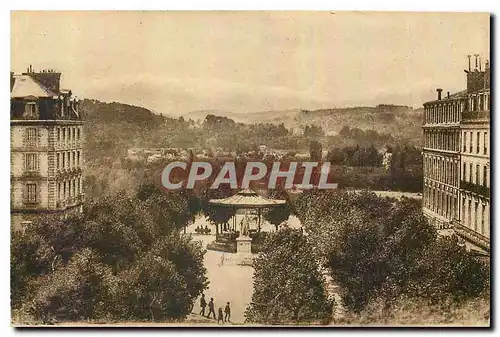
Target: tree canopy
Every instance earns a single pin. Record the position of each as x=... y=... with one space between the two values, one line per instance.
x=124 y=258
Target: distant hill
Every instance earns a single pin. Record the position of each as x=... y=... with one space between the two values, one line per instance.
x=112 y=128
x=399 y=121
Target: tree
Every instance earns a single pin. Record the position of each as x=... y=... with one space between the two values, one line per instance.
x=335 y=156
x=122 y=259
x=152 y=289
x=288 y=288
x=277 y=215
x=73 y=292
x=380 y=251
x=313 y=131
x=315 y=150
x=449 y=272
x=217 y=215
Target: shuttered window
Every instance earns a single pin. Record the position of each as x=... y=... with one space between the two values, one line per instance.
x=31 y=193
x=31 y=162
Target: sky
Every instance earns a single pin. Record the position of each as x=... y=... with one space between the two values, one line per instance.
x=176 y=62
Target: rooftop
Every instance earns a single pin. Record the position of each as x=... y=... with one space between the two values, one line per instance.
x=457 y=95
x=26 y=86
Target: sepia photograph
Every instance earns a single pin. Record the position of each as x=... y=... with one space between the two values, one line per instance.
x=235 y=169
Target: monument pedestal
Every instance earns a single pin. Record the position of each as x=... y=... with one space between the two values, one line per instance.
x=244 y=250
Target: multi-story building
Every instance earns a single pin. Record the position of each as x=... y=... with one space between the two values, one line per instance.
x=474 y=220
x=441 y=158
x=456 y=159
x=46 y=148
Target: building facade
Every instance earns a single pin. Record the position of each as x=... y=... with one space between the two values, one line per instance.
x=46 y=148
x=456 y=159
x=474 y=221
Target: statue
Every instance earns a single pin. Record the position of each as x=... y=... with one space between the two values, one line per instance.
x=245 y=225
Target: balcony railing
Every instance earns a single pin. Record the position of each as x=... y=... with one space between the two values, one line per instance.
x=475 y=188
x=71 y=201
x=473 y=236
x=31 y=174
x=476 y=115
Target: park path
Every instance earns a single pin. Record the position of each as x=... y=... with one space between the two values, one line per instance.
x=228 y=282
x=233 y=283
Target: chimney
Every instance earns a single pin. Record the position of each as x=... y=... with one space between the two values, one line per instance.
x=468 y=57
x=476 y=56
x=447 y=94
x=439 y=93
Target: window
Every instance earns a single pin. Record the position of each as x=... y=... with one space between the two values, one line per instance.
x=74 y=134
x=30 y=109
x=470 y=173
x=58 y=161
x=64 y=135
x=464 y=173
x=477 y=142
x=485 y=143
x=31 y=137
x=476 y=215
x=485 y=176
x=78 y=134
x=483 y=207
x=73 y=162
x=470 y=142
x=58 y=134
x=31 y=193
x=465 y=141
x=477 y=175
x=463 y=208
x=31 y=162
x=78 y=158
x=469 y=214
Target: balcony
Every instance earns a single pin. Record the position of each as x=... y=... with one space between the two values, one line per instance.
x=31 y=174
x=475 y=188
x=472 y=236
x=475 y=115
x=71 y=201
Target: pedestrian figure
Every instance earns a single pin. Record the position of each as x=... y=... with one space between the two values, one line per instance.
x=211 y=308
x=221 y=260
x=220 y=317
x=227 y=311
x=203 y=304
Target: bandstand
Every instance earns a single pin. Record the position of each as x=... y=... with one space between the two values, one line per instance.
x=248 y=201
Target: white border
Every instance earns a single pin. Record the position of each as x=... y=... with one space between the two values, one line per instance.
x=381 y=5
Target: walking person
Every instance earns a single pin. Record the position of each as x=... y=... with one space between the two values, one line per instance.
x=220 y=316
x=203 y=304
x=221 y=260
x=211 y=308
x=227 y=311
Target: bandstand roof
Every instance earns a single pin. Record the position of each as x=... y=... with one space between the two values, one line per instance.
x=247 y=198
